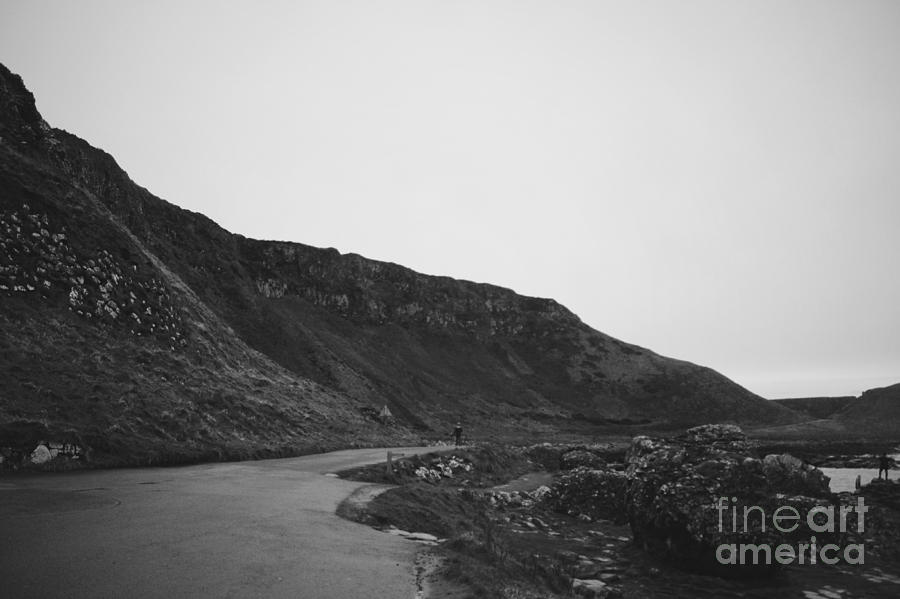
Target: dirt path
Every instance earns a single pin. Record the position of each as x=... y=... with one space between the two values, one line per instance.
x=527 y=482
x=250 y=529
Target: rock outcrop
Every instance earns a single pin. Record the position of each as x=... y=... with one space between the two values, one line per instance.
x=589 y=494
x=882 y=532
x=581 y=457
x=883 y=492
x=788 y=474
x=686 y=497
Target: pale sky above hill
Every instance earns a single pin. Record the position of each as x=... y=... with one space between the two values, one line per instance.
x=716 y=180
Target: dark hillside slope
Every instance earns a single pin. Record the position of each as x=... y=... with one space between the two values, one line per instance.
x=817 y=407
x=875 y=410
x=123 y=311
x=104 y=346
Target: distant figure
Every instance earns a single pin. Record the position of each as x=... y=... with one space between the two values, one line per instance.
x=457 y=434
x=884 y=464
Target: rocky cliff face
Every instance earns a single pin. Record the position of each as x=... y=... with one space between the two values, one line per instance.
x=118 y=267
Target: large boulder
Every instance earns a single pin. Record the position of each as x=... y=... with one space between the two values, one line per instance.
x=682 y=496
x=788 y=474
x=581 y=457
x=41 y=454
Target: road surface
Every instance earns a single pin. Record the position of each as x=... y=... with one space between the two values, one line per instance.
x=249 y=529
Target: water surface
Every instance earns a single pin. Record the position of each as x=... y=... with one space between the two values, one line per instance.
x=844 y=479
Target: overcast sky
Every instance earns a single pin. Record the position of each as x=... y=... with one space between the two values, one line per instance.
x=717 y=181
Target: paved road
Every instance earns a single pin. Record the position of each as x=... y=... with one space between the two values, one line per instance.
x=250 y=529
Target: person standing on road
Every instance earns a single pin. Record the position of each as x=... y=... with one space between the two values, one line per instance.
x=457 y=434
x=884 y=464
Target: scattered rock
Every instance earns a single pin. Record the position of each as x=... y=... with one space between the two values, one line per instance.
x=435 y=470
x=41 y=454
x=43 y=263
x=541 y=493
x=421 y=537
x=590 y=587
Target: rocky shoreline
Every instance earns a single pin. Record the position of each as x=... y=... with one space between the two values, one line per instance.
x=651 y=521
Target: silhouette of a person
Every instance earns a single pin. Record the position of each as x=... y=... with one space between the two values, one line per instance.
x=884 y=464
x=457 y=434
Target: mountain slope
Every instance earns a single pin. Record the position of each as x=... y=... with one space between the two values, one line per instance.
x=876 y=409
x=126 y=317
x=105 y=346
x=817 y=407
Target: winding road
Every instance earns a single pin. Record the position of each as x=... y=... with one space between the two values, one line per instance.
x=248 y=529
